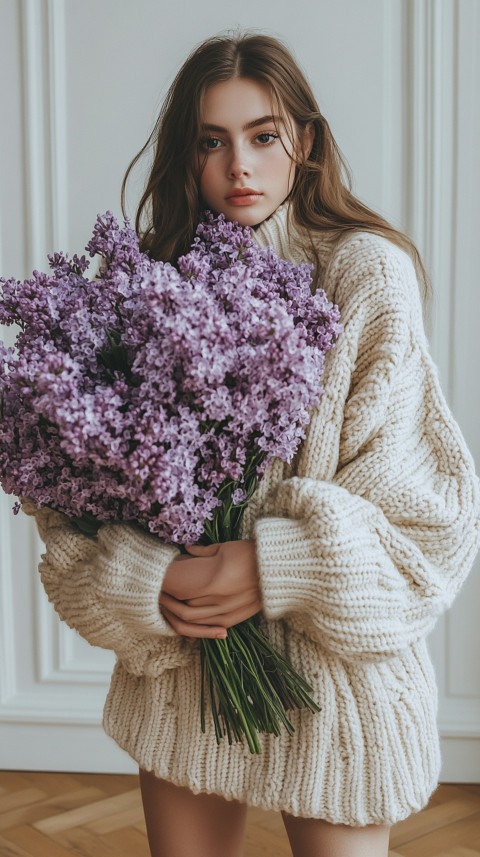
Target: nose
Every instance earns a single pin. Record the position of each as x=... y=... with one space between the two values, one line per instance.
x=238 y=165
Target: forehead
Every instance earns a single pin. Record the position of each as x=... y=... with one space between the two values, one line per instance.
x=236 y=102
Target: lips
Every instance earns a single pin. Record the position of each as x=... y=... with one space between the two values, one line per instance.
x=243 y=191
x=243 y=196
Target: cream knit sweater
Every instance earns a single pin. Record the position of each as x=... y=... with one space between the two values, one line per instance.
x=362 y=541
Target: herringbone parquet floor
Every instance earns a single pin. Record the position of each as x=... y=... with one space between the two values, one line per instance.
x=100 y=815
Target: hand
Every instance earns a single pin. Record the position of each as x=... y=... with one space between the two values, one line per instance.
x=214 y=588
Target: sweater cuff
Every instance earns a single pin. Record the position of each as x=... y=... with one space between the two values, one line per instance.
x=287 y=558
x=135 y=566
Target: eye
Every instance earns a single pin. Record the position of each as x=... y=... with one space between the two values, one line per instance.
x=264 y=138
x=209 y=143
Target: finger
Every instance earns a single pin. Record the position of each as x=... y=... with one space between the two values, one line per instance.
x=197 y=631
x=201 y=601
x=186 y=612
x=228 y=601
x=208 y=613
x=228 y=620
x=202 y=550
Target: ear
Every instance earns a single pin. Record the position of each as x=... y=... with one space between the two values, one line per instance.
x=308 y=137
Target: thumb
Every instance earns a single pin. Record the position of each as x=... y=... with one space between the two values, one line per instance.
x=201 y=550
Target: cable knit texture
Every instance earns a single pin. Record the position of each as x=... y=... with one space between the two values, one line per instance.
x=363 y=540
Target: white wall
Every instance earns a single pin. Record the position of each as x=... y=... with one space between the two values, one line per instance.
x=81 y=85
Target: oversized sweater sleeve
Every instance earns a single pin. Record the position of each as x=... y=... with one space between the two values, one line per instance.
x=365 y=561
x=106 y=587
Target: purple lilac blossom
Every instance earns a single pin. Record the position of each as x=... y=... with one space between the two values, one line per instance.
x=134 y=396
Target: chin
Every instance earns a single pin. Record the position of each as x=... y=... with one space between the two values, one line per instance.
x=249 y=218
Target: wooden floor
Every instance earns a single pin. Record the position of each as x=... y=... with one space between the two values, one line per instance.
x=100 y=815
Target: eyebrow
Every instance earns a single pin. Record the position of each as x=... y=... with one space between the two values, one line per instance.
x=253 y=124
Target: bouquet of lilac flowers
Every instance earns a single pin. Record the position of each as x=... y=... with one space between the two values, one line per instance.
x=157 y=395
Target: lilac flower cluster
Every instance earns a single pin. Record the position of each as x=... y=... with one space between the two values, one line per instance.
x=136 y=395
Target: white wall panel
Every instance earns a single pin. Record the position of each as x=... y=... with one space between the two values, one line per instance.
x=444 y=220
x=48 y=675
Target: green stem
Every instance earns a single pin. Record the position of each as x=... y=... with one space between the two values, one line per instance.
x=218 y=649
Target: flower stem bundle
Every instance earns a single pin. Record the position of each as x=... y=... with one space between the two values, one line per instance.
x=250 y=685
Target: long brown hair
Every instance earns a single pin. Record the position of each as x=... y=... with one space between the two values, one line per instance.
x=321 y=195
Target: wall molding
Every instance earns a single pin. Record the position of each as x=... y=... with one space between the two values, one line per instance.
x=62 y=747
x=44 y=52
x=57 y=96
x=70 y=706
x=393 y=22
x=434 y=48
x=36 y=108
x=7 y=659
x=431 y=60
x=64 y=687
x=57 y=661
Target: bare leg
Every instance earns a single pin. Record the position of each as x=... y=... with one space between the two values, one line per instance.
x=312 y=837
x=183 y=824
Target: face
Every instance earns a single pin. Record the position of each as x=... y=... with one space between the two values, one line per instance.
x=248 y=169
